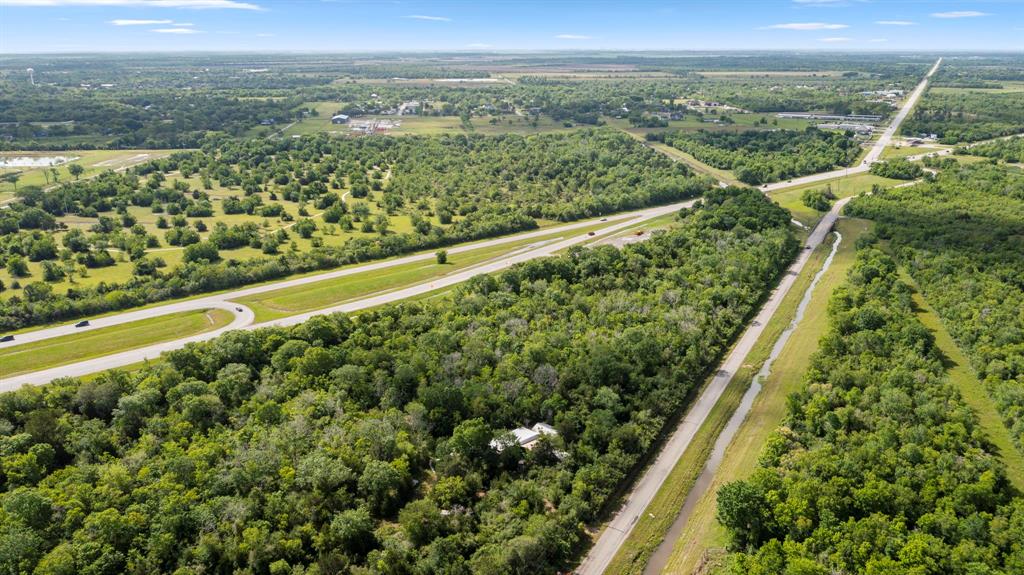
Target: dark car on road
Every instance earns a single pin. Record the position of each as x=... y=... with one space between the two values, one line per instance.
x=7 y=338
x=82 y=323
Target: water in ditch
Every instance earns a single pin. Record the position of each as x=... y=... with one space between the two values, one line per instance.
x=661 y=555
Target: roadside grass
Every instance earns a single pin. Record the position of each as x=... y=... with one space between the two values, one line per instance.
x=234 y=254
x=906 y=151
x=842 y=187
x=973 y=391
x=87 y=345
x=298 y=299
x=702 y=531
x=659 y=516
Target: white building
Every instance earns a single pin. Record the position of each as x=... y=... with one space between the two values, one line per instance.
x=524 y=436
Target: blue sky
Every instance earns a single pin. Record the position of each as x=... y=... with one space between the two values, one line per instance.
x=345 y=26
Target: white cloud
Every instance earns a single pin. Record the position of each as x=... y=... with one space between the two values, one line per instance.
x=834 y=39
x=479 y=45
x=895 y=22
x=572 y=37
x=430 y=18
x=959 y=14
x=878 y=40
x=265 y=35
x=192 y=4
x=128 y=22
x=805 y=26
x=175 y=31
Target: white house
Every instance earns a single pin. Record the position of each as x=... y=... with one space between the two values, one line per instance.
x=524 y=436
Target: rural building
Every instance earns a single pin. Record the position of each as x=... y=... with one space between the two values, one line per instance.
x=339 y=119
x=408 y=108
x=812 y=116
x=858 y=128
x=525 y=436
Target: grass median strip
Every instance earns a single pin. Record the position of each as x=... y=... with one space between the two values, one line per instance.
x=702 y=531
x=95 y=343
x=649 y=531
x=309 y=297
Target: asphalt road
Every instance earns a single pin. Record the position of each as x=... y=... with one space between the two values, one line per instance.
x=874 y=153
x=618 y=529
x=244 y=316
x=621 y=524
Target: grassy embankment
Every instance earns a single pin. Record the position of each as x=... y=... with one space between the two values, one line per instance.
x=702 y=531
x=95 y=343
x=842 y=187
x=649 y=531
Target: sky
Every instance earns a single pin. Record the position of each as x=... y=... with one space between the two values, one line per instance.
x=31 y=26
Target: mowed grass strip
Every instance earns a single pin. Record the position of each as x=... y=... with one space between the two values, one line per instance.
x=960 y=373
x=842 y=187
x=695 y=164
x=87 y=345
x=652 y=526
x=290 y=301
x=702 y=531
x=905 y=151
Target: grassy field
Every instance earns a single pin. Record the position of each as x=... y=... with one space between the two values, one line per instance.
x=904 y=151
x=973 y=391
x=94 y=162
x=1007 y=87
x=650 y=530
x=290 y=301
x=416 y=125
x=702 y=531
x=329 y=234
x=842 y=187
x=82 y=346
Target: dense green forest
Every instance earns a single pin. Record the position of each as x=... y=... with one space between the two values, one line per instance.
x=1008 y=150
x=493 y=185
x=898 y=169
x=960 y=237
x=879 y=466
x=364 y=444
x=758 y=157
x=966 y=116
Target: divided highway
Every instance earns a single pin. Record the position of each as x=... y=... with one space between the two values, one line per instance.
x=244 y=316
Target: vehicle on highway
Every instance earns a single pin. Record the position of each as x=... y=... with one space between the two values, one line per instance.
x=83 y=323
x=591 y=233
x=7 y=338
x=238 y=309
